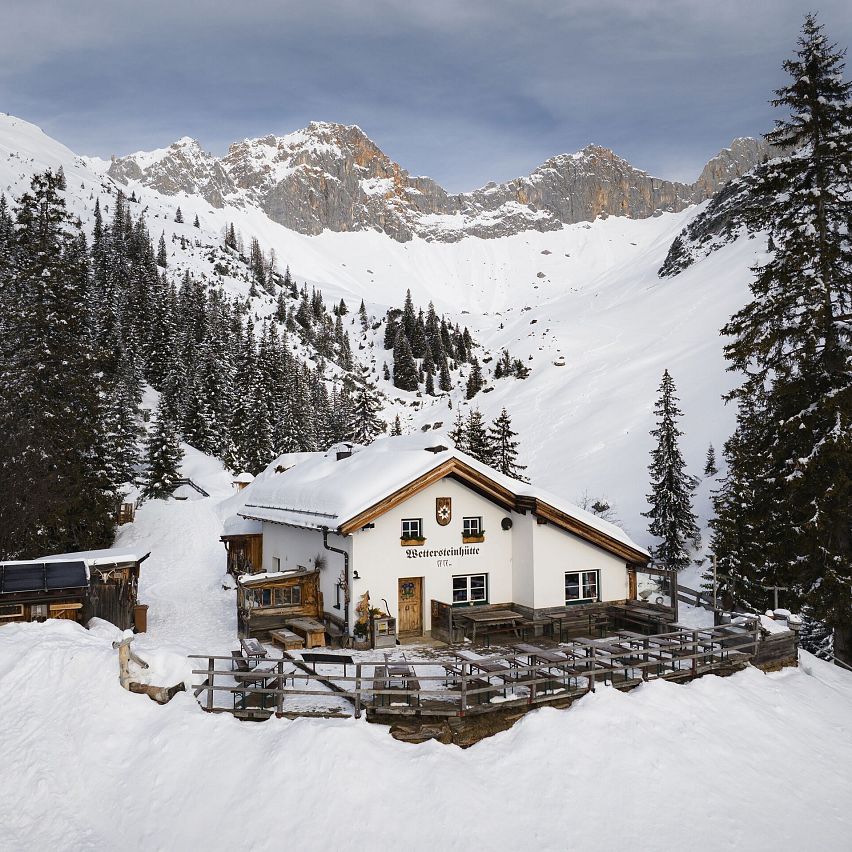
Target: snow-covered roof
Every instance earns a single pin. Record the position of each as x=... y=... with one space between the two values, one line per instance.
x=324 y=491
x=245 y=476
x=249 y=579
x=96 y=557
x=235 y=525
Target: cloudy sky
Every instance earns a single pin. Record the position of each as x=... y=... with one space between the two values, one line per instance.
x=465 y=91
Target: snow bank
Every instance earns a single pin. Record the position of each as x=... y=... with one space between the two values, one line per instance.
x=669 y=767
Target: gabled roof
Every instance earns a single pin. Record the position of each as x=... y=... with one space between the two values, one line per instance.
x=323 y=491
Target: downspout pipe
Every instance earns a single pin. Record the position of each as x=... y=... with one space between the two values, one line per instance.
x=345 y=556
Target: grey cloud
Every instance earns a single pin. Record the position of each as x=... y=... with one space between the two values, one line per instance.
x=464 y=91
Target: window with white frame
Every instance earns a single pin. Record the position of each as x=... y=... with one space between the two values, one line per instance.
x=470 y=589
x=412 y=528
x=582 y=586
x=471 y=527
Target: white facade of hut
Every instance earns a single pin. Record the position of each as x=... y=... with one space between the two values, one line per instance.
x=535 y=550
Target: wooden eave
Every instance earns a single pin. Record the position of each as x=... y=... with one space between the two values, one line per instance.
x=452 y=467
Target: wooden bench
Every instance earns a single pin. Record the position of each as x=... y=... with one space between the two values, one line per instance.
x=238 y=662
x=289 y=640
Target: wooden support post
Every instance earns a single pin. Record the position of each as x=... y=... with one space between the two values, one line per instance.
x=464 y=671
x=695 y=653
x=281 y=683
x=357 y=690
x=211 y=671
x=673 y=584
x=592 y=672
x=645 y=659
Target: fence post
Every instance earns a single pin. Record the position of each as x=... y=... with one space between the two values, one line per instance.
x=210 y=675
x=645 y=659
x=464 y=670
x=282 y=682
x=357 y=690
x=592 y=672
x=695 y=653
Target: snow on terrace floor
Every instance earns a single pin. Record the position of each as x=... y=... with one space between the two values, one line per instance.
x=751 y=761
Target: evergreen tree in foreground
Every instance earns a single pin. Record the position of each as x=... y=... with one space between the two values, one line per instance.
x=672 y=518
x=56 y=493
x=793 y=345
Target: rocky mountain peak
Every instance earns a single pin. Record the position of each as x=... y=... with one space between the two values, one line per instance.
x=182 y=167
x=330 y=176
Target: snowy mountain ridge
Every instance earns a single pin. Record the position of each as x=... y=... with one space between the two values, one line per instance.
x=334 y=177
x=582 y=306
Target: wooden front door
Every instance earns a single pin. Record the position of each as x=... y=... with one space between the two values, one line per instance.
x=410 y=606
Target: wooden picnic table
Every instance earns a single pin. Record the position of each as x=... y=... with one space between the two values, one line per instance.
x=593 y=620
x=490 y=666
x=490 y=619
x=310 y=629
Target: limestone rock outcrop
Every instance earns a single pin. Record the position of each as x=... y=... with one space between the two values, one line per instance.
x=333 y=177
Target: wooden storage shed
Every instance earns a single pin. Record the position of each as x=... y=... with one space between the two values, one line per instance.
x=113 y=586
x=269 y=601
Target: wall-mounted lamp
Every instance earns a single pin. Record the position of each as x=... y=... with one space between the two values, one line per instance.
x=356 y=575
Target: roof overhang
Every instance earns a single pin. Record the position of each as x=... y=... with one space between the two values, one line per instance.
x=502 y=496
x=451 y=467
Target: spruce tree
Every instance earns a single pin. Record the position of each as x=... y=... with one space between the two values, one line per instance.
x=710 y=468
x=457 y=433
x=793 y=344
x=672 y=519
x=504 y=447
x=367 y=423
x=56 y=492
x=396 y=427
x=162 y=255
x=163 y=455
x=404 y=367
x=477 y=443
x=179 y=216
x=474 y=380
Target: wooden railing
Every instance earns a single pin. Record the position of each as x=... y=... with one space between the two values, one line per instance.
x=456 y=686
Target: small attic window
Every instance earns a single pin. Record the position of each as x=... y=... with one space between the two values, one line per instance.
x=343 y=454
x=440 y=448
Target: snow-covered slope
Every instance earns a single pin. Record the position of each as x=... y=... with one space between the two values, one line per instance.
x=582 y=306
x=753 y=761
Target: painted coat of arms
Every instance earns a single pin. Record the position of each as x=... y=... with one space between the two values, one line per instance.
x=443 y=510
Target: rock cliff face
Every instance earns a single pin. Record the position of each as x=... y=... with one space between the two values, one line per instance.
x=182 y=167
x=332 y=176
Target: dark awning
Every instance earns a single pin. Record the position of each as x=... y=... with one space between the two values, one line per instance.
x=17 y=577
